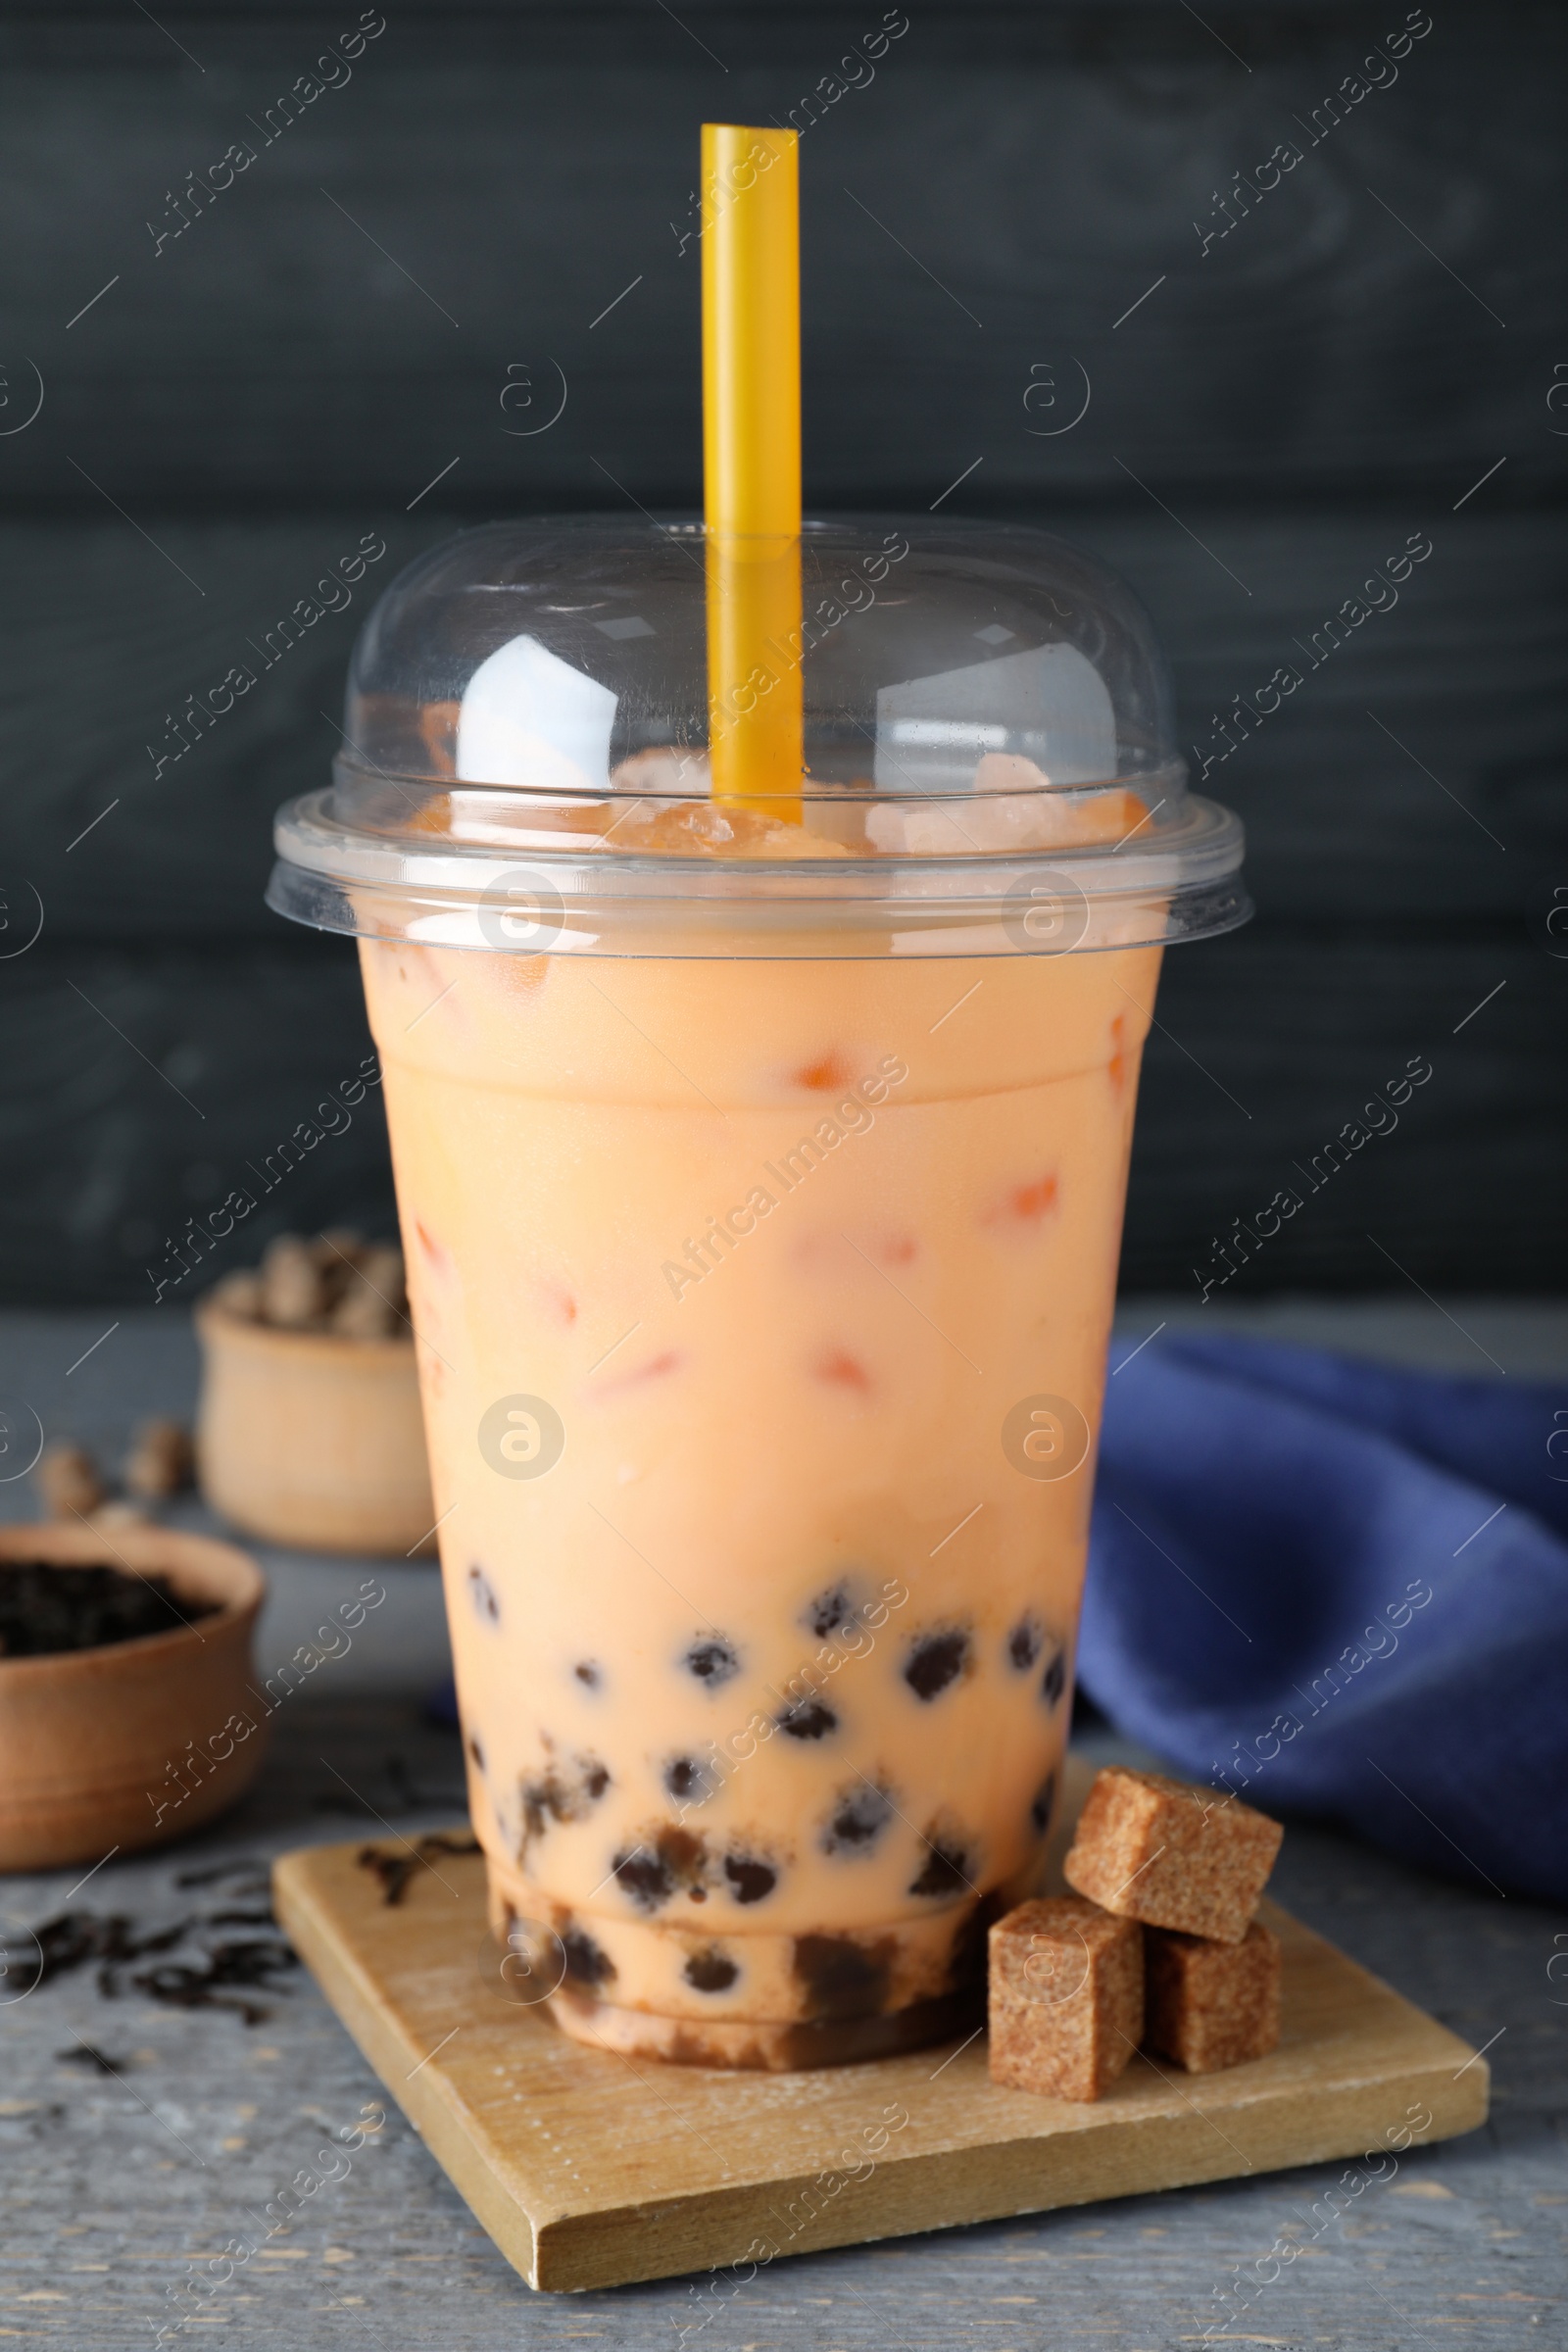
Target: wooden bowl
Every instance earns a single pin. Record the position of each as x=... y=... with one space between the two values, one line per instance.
x=313 y=1439
x=138 y=1741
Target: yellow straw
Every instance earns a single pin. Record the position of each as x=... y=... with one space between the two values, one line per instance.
x=751 y=463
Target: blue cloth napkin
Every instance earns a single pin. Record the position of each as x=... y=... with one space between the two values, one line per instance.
x=1342 y=1589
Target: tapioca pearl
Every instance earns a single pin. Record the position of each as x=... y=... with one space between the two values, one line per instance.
x=565 y=1792
x=1043 y=1798
x=711 y=1971
x=807 y=1719
x=712 y=1661
x=589 y=1673
x=690 y=1780
x=482 y=1594
x=844 y=1978
x=936 y=1660
x=829 y=1609
x=587 y=1961
x=669 y=1860
x=687 y=1857
x=476 y=1752
x=966 y=1953
x=946 y=1869
x=750 y=1878
x=859 y=1818
x=645 y=1875
x=1053 y=1681
x=1025 y=1642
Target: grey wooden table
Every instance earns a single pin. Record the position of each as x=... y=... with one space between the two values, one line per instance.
x=117 y=2184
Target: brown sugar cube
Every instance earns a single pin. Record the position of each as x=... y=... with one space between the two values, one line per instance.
x=1211 y=2004
x=160 y=1462
x=116 y=1515
x=292 y=1293
x=370 y=1303
x=67 y=1478
x=240 y=1295
x=1066 y=1997
x=1174 y=1856
x=337 y=1243
x=361 y=1313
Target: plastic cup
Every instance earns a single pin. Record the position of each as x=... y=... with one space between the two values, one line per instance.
x=761 y=1189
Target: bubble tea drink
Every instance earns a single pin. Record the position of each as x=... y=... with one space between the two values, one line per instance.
x=760 y=1157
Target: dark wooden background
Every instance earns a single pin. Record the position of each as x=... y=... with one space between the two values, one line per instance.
x=1337 y=374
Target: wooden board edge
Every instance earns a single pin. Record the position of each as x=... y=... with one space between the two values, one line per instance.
x=956 y=2187
x=354 y=1998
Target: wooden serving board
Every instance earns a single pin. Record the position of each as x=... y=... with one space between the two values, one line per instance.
x=592 y=2169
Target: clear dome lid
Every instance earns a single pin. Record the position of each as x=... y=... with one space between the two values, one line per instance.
x=989 y=758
